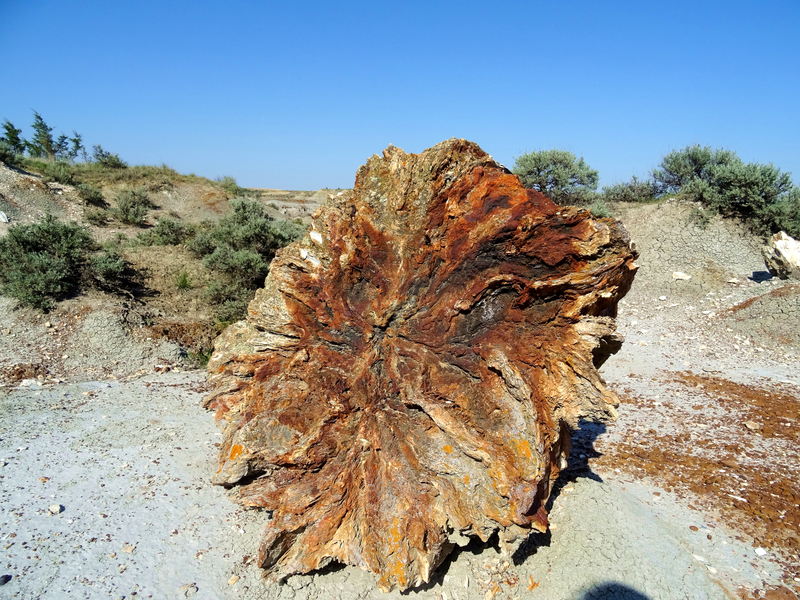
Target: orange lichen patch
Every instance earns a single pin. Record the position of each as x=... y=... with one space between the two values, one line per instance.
x=523 y=448
x=236 y=451
x=737 y=456
x=448 y=448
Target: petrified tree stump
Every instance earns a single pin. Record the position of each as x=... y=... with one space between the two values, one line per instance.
x=410 y=373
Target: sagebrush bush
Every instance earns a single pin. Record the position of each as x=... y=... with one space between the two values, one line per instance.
x=232 y=189
x=97 y=217
x=132 y=206
x=600 y=209
x=759 y=194
x=239 y=249
x=635 y=190
x=58 y=171
x=43 y=262
x=231 y=300
x=248 y=227
x=91 y=195
x=107 y=159
x=558 y=174
x=167 y=232
x=108 y=265
x=246 y=266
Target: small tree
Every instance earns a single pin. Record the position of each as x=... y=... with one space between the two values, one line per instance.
x=12 y=137
x=41 y=145
x=558 y=174
x=76 y=148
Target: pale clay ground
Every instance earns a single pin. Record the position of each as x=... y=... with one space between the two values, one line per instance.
x=128 y=461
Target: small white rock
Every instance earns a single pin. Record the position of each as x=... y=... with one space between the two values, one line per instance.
x=55 y=509
x=761 y=552
x=662 y=297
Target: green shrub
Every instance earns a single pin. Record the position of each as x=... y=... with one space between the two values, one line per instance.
x=58 y=171
x=699 y=217
x=248 y=227
x=231 y=300
x=167 y=232
x=759 y=194
x=183 y=280
x=600 y=209
x=200 y=358
x=634 y=190
x=558 y=174
x=230 y=186
x=97 y=217
x=43 y=262
x=7 y=154
x=15 y=143
x=107 y=159
x=238 y=249
x=240 y=265
x=132 y=206
x=202 y=243
x=108 y=265
x=91 y=195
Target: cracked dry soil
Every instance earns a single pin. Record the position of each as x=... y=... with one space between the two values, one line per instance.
x=692 y=493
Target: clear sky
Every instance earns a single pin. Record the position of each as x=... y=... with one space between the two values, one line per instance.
x=297 y=95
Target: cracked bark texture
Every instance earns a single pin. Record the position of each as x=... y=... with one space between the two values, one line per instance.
x=409 y=374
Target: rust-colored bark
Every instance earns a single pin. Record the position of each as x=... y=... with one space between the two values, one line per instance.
x=409 y=375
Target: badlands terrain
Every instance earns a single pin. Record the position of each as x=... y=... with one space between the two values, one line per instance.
x=106 y=455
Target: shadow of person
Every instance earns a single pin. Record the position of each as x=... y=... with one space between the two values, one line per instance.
x=613 y=591
x=760 y=276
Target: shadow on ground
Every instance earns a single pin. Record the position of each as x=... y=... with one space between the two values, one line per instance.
x=613 y=591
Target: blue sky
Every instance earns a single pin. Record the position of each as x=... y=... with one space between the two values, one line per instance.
x=297 y=95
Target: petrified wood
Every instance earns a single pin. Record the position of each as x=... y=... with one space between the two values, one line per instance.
x=409 y=374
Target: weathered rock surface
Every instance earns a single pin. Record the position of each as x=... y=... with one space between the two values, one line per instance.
x=782 y=256
x=409 y=375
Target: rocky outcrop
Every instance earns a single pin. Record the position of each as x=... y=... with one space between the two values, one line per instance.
x=782 y=256
x=410 y=373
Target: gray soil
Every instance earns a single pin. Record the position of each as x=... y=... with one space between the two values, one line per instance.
x=124 y=455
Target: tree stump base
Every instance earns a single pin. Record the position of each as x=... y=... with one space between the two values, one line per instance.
x=409 y=375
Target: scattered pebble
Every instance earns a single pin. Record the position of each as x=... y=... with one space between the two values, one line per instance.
x=233 y=580
x=4 y=579
x=761 y=552
x=190 y=589
x=55 y=509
